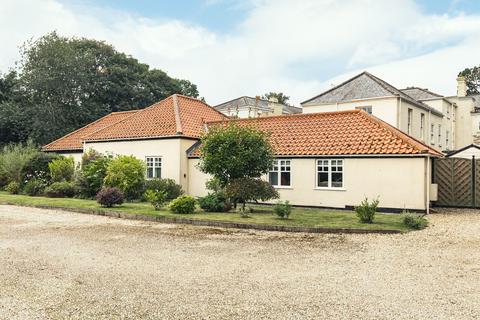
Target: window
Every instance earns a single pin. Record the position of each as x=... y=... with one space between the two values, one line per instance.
x=409 y=121
x=154 y=167
x=432 y=134
x=447 y=138
x=422 y=126
x=329 y=173
x=439 y=135
x=279 y=175
x=367 y=109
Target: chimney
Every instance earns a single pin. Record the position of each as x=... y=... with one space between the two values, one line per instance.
x=275 y=106
x=461 y=87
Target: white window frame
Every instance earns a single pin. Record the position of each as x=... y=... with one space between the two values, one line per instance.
x=432 y=134
x=329 y=172
x=422 y=126
x=439 y=135
x=156 y=162
x=281 y=165
x=447 y=139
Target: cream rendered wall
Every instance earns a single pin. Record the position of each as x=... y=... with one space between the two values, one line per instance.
x=448 y=121
x=464 y=126
x=384 y=108
x=172 y=151
x=398 y=182
x=77 y=156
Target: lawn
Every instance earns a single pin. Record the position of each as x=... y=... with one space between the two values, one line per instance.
x=304 y=217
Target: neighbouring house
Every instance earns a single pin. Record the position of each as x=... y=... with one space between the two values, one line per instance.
x=248 y=107
x=469 y=152
x=331 y=159
x=424 y=115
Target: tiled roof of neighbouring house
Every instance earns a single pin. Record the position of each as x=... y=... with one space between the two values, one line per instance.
x=421 y=93
x=176 y=115
x=351 y=132
x=260 y=104
x=364 y=86
x=73 y=141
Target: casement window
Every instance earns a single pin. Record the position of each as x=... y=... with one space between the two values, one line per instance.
x=409 y=121
x=367 y=109
x=280 y=174
x=432 y=134
x=422 y=126
x=154 y=167
x=447 y=138
x=439 y=135
x=329 y=173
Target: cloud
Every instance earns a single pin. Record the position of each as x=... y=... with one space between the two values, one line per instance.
x=394 y=39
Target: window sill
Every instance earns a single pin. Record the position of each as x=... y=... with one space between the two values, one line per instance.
x=282 y=187
x=329 y=189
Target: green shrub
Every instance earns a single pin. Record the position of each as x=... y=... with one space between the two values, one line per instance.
x=183 y=204
x=89 y=180
x=156 y=198
x=126 y=173
x=13 y=187
x=214 y=202
x=366 y=210
x=34 y=187
x=62 y=189
x=108 y=197
x=250 y=189
x=14 y=159
x=171 y=189
x=37 y=166
x=282 y=209
x=62 y=169
x=414 y=221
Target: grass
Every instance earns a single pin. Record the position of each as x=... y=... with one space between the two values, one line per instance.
x=304 y=217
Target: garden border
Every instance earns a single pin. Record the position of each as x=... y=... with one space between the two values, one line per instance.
x=207 y=223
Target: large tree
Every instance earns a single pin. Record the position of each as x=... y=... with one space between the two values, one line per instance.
x=65 y=83
x=472 y=77
x=281 y=98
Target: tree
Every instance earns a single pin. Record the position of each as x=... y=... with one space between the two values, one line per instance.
x=126 y=173
x=64 y=83
x=281 y=98
x=472 y=77
x=233 y=152
x=247 y=189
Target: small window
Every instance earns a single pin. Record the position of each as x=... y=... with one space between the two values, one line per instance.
x=447 y=138
x=367 y=109
x=154 y=167
x=280 y=174
x=409 y=121
x=422 y=126
x=439 y=135
x=329 y=173
x=432 y=134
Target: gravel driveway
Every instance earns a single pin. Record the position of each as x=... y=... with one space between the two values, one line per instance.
x=57 y=265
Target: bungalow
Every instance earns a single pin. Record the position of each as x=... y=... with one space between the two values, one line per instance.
x=330 y=159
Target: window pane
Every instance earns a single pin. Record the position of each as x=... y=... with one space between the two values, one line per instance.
x=322 y=179
x=285 y=179
x=337 y=180
x=273 y=178
x=149 y=173
x=158 y=172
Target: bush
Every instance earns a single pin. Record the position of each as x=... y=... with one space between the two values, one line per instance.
x=414 y=221
x=35 y=187
x=37 y=166
x=13 y=187
x=171 y=189
x=250 y=189
x=126 y=173
x=90 y=178
x=282 y=210
x=14 y=159
x=183 y=204
x=108 y=197
x=63 y=189
x=156 y=198
x=366 y=210
x=62 y=169
x=215 y=202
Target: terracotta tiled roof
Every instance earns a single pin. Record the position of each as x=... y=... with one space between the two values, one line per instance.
x=73 y=141
x=176 y=115
x=351 y=132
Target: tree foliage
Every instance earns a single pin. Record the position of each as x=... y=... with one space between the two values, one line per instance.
x=64 y=83
x=247 y=189
x=233 y=152
x=281 y=97
x=472 y=77
x=126 y=173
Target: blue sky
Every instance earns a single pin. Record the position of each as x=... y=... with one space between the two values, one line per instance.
x=231 y=48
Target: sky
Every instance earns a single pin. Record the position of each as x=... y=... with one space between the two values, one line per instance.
x=231 y=48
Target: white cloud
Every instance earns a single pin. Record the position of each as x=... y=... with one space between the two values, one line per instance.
x=394 y=39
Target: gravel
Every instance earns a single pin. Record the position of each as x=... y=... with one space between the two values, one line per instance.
x=57 y=265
